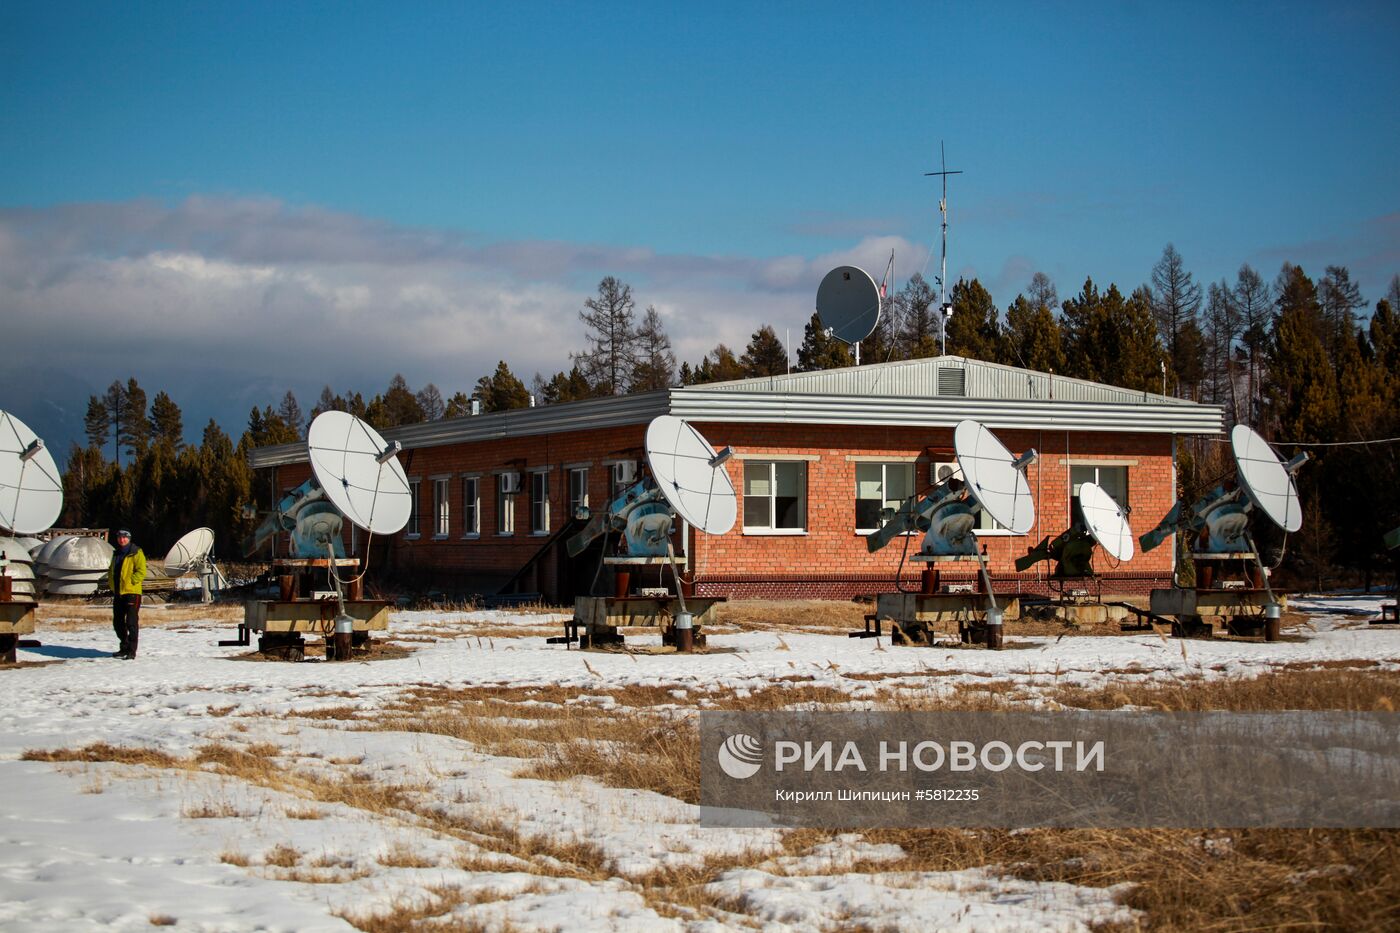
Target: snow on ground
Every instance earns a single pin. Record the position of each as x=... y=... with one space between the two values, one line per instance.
x=122 y=846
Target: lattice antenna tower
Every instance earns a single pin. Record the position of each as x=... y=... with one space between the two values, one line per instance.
x=945 y=310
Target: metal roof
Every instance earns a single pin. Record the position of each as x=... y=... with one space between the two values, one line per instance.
x=953 y=376
x=936 y=392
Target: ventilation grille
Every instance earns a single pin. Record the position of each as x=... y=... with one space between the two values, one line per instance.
x=952 y=380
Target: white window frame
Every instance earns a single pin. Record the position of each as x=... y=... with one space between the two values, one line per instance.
x=442 y=507
x=578 y=489
x=415 y=518
x=471 y=506
x=772 y=496
x=539 y=507
x=1096 y=479
x=505 y=508
x=884 y=466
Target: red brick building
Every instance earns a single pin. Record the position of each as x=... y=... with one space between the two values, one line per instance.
x=816 y=456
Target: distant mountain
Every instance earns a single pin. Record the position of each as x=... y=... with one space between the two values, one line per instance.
x=51 y=401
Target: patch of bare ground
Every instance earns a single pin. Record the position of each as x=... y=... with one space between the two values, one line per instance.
x=821 y=616
x=378 y=650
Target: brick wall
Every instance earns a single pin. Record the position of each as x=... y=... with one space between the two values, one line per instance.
x=828 y=560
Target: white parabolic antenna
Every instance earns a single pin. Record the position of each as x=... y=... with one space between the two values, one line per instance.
x=31 y=490
x=690 y=475
x=189 y=552
x=1263 y=477
x=359 y=472
x=1106 y=521
x=848 y=302
x=992 y=477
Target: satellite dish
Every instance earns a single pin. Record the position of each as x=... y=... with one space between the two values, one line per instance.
x=189 y=552
x=691 y=475
x=1106 y=521
x=848 y=302
x=31 y=490
x=1264 y=478
x=994 y=476
x=359 y=472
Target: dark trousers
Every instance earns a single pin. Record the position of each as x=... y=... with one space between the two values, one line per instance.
x=125 y=613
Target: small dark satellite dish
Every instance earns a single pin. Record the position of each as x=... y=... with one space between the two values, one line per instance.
x=848 y=303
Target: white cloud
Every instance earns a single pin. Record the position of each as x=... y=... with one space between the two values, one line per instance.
x=252 y=293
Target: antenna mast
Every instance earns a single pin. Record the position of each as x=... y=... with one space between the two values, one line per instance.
x=945 y=310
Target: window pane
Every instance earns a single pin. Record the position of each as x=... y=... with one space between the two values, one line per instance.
x=758 y=479
x=899 y=483
x=868 y=481
x=788 y=479
x=470 y=521
x=758 y=512
x=867 y=513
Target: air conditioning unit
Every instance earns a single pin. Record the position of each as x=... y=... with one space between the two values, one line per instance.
x=510 y=483
x=625 y=472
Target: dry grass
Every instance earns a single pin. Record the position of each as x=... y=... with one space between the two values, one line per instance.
x=399 y=855
x=282 y=856
x=1188 y=880
x=797 y=615
x=1181 y=880
x=409 y=912
x=210 y=810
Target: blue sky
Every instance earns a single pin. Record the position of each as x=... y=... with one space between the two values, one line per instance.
x=229 y=200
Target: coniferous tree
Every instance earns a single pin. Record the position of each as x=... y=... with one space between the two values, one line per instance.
x=97 y=423
x=501 y=391
x=167 y=423
x=820 y=351
x=1033 y=338
x=974 y=331
x=458 y=406
x=612 y=337
x=114 y=402
x=1111 y=339
x=765 y=354
x=654 y=364
x=135 y=427
x=563 y=387
x=400 y=405
x=328 y=401
x=1301 y=388
x=289 y=410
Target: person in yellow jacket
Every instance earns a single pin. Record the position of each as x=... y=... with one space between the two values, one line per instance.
x=125 y=576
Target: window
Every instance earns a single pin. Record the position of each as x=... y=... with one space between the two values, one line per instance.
x=505 y=503
x=539 y=503
x=1113 y=480
x=578 y=490
x=411 y=529
x=471 y=506
x=880 y=486
x=985 y=522
x=775 y=495
x=440 y=507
